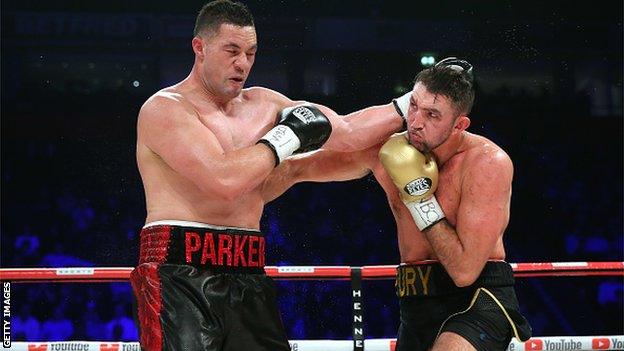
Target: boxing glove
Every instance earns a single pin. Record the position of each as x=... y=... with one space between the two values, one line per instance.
x=300 y=128
x=416 y=176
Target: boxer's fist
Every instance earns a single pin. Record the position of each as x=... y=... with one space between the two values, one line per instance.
x=416 y=176
x=300 y=128
x=414 y=173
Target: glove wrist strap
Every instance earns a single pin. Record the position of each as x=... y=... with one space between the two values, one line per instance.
x=282 y=140
x=426 y=213
x=401 y=104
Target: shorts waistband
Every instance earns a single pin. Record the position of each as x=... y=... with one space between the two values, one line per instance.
x=179 y=223
x=431 y=279
x=205 y=246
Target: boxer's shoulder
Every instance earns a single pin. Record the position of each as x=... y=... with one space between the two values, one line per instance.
x=164 y=108
x=266 y=95
x=487 y=158
x=165 y=99
x=481 y=148
x=261 y=93
x=479 y=155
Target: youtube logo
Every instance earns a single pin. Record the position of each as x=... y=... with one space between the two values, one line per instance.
x=601 y=344
x=533 y=345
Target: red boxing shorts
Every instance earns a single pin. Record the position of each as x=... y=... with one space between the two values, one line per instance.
x=203 y=287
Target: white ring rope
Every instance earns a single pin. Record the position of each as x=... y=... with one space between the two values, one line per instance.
x=107 y=274
x=608 y=342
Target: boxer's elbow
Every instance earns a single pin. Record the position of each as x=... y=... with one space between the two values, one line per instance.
x=226 y=189
x=231 y=193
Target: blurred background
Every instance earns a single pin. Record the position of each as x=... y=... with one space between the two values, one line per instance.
x=549 y=91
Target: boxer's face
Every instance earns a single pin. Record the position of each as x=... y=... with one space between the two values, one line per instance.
x=228 y=56
x=430 y=119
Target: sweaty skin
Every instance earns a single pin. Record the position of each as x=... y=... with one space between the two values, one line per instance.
x=474 y=189
x=196 y=140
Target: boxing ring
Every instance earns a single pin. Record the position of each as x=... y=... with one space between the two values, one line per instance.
x=356 y=275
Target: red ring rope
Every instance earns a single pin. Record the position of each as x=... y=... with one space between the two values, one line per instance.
x=108 y=274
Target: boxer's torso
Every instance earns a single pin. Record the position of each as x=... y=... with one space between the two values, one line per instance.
x=413 y=246
x=169 y=195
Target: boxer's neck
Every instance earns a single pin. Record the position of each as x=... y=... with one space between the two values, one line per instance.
x=208 y=95
x=451 y=147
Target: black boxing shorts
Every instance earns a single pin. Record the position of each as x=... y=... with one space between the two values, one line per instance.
x=203 y=287
x=485 y=313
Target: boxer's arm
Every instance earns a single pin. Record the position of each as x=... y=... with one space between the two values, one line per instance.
x=362 y=129
x=173 y=131
x=482 y=216
x=317 y=166
x=355 y=131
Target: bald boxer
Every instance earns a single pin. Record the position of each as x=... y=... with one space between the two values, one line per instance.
x=204 y=149
x=449 y=191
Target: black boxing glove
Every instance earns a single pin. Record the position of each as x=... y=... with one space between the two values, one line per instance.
x=300 y=128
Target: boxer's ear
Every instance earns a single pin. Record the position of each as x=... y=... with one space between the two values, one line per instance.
x=462 y=123
x=198 y=46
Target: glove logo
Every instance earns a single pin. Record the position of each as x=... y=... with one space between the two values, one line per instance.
x=304 y=114
x=418 y=186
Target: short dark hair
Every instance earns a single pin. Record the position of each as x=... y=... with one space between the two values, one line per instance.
x=456 y=84
x=215 y=13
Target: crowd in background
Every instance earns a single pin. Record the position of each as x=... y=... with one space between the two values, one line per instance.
x=75 y=74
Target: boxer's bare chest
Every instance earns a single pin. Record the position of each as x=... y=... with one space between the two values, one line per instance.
x=412 y=244
x=240 y=127
x=448 y=193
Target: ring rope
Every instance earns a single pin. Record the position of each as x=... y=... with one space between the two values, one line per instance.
x=108 y=274
x=607 y=342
